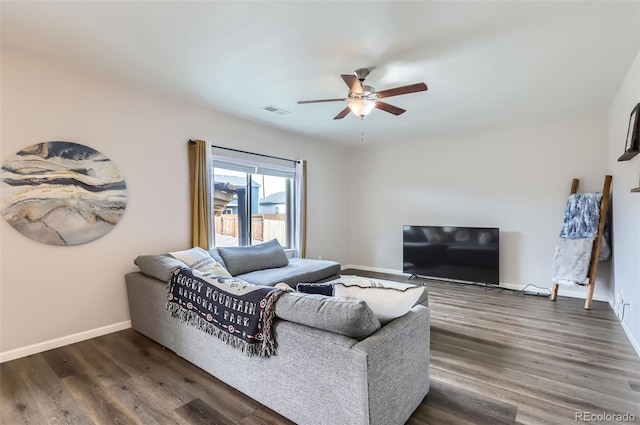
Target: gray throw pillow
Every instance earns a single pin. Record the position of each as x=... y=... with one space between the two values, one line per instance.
x=345 y=316
x=216 y=256
x=244 y=259
x=160 y=267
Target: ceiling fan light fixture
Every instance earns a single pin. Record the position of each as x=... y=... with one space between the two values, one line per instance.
x=362 y=107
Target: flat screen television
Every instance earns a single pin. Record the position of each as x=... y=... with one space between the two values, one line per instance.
x=468 y=254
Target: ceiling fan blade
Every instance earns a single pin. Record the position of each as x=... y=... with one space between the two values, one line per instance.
x=390 y=108
x=321 y=100
x=402 y=90
x=353 y=83
x=342 y=113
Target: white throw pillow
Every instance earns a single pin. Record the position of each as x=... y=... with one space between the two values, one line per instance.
x=199 y=259
x=387 y=300
x=196 y=258
x=218 y=270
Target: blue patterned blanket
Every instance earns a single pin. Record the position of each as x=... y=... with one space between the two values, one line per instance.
x=582 y=215
x=237 y=312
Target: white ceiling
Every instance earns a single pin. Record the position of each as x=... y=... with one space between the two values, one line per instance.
x=486 y=63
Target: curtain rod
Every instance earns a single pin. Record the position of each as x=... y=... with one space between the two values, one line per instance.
x=192 y=142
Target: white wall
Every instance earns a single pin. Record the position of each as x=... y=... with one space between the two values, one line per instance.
x=626 y=205
x=52 y=295
x=517 y=179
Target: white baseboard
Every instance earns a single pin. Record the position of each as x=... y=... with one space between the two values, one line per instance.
x=634 y=343
x=565 y=291
x=374 y=269
x=62 y=341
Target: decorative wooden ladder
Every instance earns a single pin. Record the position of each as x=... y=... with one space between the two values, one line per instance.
x=597 y=243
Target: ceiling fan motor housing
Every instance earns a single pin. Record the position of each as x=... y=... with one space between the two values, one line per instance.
x=362 y=73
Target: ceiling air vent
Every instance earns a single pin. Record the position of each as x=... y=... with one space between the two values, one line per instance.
x=276 y=110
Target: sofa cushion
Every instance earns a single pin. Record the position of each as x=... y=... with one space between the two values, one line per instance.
x=244 y=259
x=345 y=316
x=387 y=300
x=298 y=270
x=160 y=267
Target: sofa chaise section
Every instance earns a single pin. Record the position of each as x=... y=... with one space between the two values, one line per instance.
x=298 y=270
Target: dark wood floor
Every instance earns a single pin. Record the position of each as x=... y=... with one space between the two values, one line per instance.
x=496 y=358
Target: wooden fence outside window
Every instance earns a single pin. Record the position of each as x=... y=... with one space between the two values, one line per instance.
x=264 y=227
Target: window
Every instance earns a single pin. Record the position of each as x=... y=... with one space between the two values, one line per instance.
x=255 y=201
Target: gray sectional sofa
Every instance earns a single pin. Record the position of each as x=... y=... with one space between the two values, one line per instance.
x=335 y=363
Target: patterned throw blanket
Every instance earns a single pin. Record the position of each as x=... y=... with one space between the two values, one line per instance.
x=572 y=257
x=581 y=216
x=239 y=313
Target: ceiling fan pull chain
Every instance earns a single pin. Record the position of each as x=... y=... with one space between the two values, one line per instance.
x=362 y=133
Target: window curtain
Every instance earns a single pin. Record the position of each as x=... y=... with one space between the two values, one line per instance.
x=199 y=157
x=300 y=231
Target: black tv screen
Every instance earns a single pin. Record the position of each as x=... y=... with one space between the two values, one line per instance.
x=470 y=254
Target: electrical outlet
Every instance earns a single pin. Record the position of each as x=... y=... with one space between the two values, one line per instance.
x=619 y=298
x=319 y=257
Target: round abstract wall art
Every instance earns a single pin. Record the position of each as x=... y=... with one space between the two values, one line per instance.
x=62 y=193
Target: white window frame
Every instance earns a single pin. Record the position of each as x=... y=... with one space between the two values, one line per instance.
x=260 y=164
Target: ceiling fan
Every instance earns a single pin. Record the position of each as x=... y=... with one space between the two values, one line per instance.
x=362 y=98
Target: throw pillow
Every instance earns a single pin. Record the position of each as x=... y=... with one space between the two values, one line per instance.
x=160 y=267
x=315 y=288
x=387 y=300
x=201 y=260
x=218 y=270
x=196 y=258
x=244 y=259
x=216 y=256
x=345 y=316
